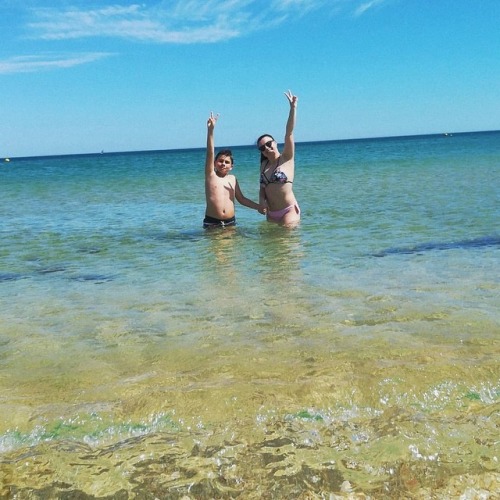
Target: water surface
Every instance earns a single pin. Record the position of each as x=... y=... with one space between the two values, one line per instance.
x=141 y=356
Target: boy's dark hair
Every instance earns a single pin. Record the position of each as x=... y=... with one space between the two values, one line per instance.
x=225 y=152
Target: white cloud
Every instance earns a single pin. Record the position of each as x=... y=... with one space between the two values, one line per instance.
x=186 y=22
x=301 y=6
x=366 y=6
x=175 y=21
x=29 y=64
x=164 y=21
x=183 y=21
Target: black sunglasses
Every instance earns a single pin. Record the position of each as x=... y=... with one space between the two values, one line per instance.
x=268 y=144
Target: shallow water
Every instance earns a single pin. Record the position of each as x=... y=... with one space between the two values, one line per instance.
x=141 y=356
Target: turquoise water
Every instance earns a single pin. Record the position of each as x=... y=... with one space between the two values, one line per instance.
x=355 y=354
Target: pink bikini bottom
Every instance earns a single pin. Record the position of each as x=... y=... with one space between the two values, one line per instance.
x=277 y=215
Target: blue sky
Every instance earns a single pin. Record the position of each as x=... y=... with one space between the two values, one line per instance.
x=82 y=76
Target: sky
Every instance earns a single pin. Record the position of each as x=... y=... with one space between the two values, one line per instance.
x=85 y=76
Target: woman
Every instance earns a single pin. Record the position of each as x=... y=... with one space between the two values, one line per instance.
x=277 y=172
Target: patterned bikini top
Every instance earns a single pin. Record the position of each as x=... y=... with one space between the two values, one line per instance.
x=277 y=177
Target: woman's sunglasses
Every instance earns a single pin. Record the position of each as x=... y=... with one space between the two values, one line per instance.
x=268 y=144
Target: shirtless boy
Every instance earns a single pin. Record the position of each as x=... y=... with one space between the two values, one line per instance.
x=221 y=187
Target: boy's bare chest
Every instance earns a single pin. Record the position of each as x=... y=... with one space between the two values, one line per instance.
x=227 y=182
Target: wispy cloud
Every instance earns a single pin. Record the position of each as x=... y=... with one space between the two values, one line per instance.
x=162 y=21
x=29 y=64
x=182 y=21
x=367 y=6
x=186 y=22
x=175 y=21
x=299 y=5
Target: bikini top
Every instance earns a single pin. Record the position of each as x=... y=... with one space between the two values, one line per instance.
x=277 y=177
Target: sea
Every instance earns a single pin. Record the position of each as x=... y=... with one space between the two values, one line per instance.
x=353 y=356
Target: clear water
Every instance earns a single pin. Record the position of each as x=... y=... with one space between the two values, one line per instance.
x=141 y=356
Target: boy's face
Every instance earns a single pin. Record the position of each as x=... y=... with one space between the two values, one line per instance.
x=223 y=165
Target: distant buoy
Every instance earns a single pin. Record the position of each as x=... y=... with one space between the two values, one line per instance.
x=7 y=159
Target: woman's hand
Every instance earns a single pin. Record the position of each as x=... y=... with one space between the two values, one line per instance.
x=292 y=99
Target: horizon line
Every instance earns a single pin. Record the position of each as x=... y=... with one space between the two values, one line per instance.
x=152 y=151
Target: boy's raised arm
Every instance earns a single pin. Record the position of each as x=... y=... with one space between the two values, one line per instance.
x=210 y=155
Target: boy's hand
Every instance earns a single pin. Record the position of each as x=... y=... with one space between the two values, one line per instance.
x=212 y=120
x=262 y=209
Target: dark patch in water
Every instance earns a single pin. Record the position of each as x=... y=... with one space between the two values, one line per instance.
x=90 y=250
x=49 y=270
x=486 y=241
x=11 y=276
x=95 y=278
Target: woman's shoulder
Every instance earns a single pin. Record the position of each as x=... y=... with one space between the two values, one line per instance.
x=286 y=160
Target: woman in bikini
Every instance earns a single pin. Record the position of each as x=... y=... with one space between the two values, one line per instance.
x=277 y=172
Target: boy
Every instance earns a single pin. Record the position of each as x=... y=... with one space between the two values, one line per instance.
x=221 y=187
